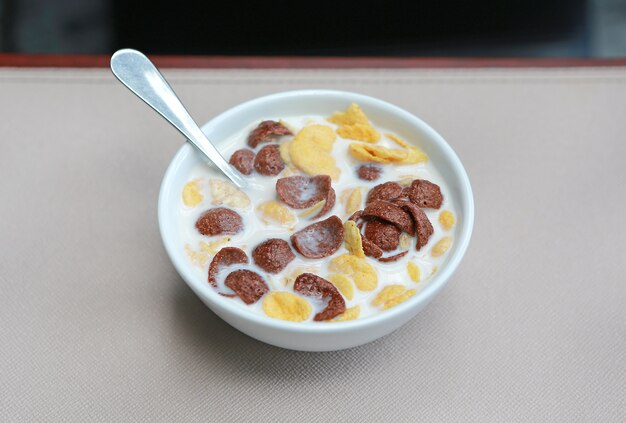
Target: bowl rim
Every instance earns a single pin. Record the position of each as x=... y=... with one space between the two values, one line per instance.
x=428 y=292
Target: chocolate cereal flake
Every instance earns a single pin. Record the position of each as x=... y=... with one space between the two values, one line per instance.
x=386 y=191
x=369 y=172
x=268 y=161
x=320 y=239
x=384 y=235
x=423 y=227
x=243 y=161
x=329 y=204
x=370 y=249
x=248 y=285
x=219 y=221
x=302 y=192
x=424 y=194
x=265 y=131
x=273 y=255
x=395 y=257
x=391 y=213
x=225 y=257
x=312 y=285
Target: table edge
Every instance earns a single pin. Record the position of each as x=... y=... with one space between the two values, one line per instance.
x=297 y=62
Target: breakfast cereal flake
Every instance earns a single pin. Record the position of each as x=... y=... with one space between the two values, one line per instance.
x=308 y=212
x=267 y=130
x=353 y=124
x=353 y=114
x=219 y=221
x=353 y=202
x=310 y=151
x=191 y=193
x=405 y=241
x=283 y=149
x=343 y=284
x=214 y=246
x=392 y=295
x=399 y=299
x=414 y=271
x=352 y=236
x=311 y=285
x=388 y=293
x=441 y=246
x=446 y=219
x=350 y=314
x=273 y=212
x=248 y=285
x=359 y=132
x=320 y=239
x=363 y=273
x=286 y=306
x=376 y=153
x=369 y=172
x=224 y=192
x=415 y=154
x=198 y=258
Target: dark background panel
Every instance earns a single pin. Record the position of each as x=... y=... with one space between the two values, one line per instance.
x=491 y=28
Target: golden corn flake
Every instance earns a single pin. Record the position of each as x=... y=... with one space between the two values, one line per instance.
x=286 y=306
x=399 y=299
x=214 y=246
x=360 y=132
x=350 y=314
x=191 y=193
x=343 y=197
x=363 y=274
x=388 y=293
x=308 y=212
x=415 y=154
x=283 y=149
x=198 y=258
x=310 y=151
x=414 y=271
x=392 y=295
x=206 y=251
x=343 y=284
x=405 y=241
x=376 y=153
x=352 y=237
x=446 y=219
x=224 y=192
x=441 y=246
x=353 y=114
x=353 y=124
x=353 y=201
x=321 y=137
x=273 y=212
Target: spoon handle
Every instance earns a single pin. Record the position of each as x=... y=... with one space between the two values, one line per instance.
x=138 y=74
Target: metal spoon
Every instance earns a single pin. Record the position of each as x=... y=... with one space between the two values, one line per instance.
x=137 y=72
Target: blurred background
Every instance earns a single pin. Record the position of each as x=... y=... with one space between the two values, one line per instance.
x=489 y=28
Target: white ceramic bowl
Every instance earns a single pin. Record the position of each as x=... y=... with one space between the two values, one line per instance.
x=313 y=336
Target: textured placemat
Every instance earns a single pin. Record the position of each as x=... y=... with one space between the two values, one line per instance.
x=95 y=324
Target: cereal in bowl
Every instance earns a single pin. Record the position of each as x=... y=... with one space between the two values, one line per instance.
x=345 y=219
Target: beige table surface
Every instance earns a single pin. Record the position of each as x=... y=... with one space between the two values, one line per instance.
x=96 y=325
